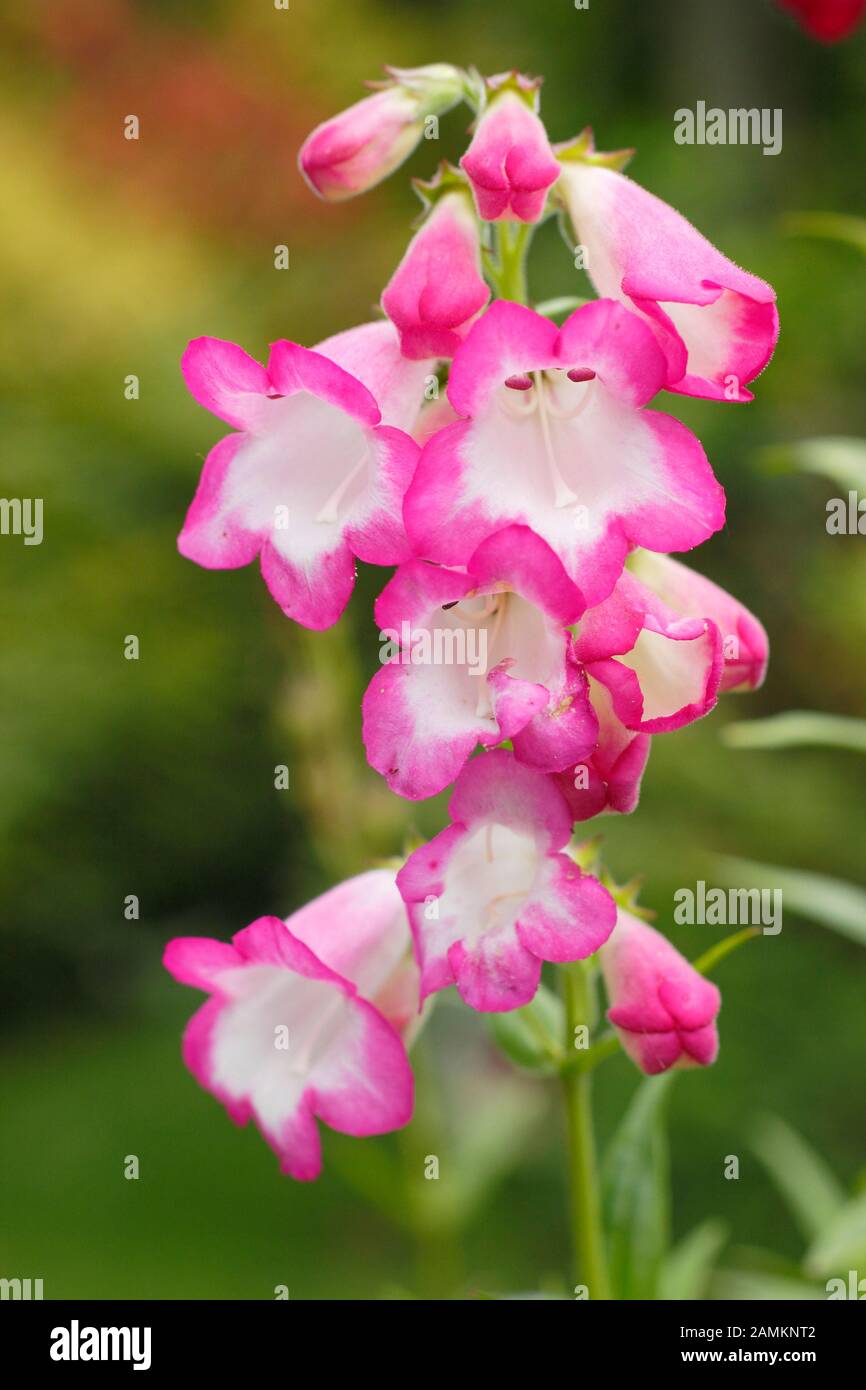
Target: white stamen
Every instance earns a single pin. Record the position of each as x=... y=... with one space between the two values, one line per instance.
x=562 y=493
x=501 y=898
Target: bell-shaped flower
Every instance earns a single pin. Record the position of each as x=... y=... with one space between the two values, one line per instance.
x=305 y=1017
x=827 y=20
x=510 y=163
x=438 y=289
x=355 y=150
x=745 y=645
x=657 y=653
x=650 y=670
x=477 y=655
x=661 y=671
x=316 y=472
x=493 y=895
x=663 y=1010
x=556 y=438
x=717 y=325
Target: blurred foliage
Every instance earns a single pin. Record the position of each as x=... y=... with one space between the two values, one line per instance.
x=156 y=777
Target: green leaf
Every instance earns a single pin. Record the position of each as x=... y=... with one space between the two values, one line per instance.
x=503 y=1125
x=686 y=1270
x=635 y=1193
x=827 y=901
x=842 y=1245
x=838 y=457
x=706 y=964
x=804 y=1179
x=829 y=226
x=798 y=729
x=532 y=1036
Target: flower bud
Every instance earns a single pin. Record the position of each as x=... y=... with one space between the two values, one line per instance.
x=510 y=163
x=360 y=147
x=438 y=290
x=663 y=1010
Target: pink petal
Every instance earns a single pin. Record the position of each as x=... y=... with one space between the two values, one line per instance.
x=359 y=929
x=516 y=556
x=745 y=643
x=213 y=534
x=371 y=353
x=506 y=341
x=494 y=787
x=419 y=728
x=314 y=594
x=225 y=380
x=292 y=368
x=570 y=917
x=494 y=975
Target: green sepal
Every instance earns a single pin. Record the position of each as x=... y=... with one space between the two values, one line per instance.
x=581 y=150
x=530 y=1037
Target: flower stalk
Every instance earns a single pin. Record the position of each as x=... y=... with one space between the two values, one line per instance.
x=590 y=1258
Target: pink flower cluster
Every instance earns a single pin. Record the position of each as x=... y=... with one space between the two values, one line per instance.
x=535 y=612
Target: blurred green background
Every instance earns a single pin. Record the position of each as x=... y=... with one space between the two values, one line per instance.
x=155 y=777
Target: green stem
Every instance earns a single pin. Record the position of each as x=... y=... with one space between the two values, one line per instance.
x=583 y=1179
x=508 y=275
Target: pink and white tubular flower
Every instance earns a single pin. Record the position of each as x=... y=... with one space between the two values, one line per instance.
x=304 y=1019
x=493 y=895
x=663 y=1010
x=438 y=289
x=510 y=163
x=355 y=150
x=717 y=325
x=316 y=473
x=485 y=655
x=673 y=641
x=745 y=645
x=556 y=438
x=661 y=671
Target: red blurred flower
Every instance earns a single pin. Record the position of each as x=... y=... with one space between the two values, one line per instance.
x=827 y=20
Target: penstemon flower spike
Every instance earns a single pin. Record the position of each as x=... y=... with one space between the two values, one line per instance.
x=531 y=510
